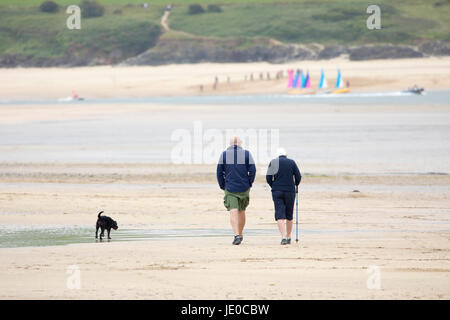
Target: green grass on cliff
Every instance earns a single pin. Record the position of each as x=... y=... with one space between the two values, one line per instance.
x=26 y=31
x=326 y=22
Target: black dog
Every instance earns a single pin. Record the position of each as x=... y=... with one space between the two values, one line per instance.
x=105 y=222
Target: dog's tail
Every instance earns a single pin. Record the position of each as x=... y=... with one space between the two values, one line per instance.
x=99 y=213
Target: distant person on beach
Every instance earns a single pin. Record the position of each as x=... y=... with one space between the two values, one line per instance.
x=283 y=176
x=235 y=174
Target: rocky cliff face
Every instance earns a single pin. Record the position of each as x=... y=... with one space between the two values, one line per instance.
x=435 y=48
x=383 y=52
x=196 y=50
x=189 y=51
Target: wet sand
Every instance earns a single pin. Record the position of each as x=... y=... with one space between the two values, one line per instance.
x=397 y=223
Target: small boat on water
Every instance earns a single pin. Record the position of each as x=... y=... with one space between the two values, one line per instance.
x=414 y=89
x=70 y=99
x=73 y=97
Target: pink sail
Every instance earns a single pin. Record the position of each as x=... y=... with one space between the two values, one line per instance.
x=291 y=77
x=308 y=81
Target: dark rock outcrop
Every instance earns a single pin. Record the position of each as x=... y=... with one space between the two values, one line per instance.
x=435 y=48
x=383 y=52
x=331 y=52
x=195 y=51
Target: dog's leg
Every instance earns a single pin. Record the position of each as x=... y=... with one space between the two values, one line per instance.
x=102 y=232
x=109 y=230
x=96 y=230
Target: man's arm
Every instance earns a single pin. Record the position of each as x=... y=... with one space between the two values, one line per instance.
x=251 y=169
x=269 y=175
x=220 y=172
x=297 y=175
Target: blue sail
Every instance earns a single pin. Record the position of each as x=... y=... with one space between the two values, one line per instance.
x=323 y=82
x=338 y=80
x=303 y=80
x=294 y=82
x=322 y=76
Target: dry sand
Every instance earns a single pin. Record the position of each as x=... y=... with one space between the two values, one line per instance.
x=145 y=81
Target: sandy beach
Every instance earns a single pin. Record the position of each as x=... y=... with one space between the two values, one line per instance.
x=374 y=195
x=179 y=80
x=399 y=224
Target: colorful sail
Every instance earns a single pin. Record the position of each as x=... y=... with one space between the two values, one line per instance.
x=308 y=81
x=294 y=83
x=323 y=81
x=339 y=80
x=290 y=78
x=303 y=80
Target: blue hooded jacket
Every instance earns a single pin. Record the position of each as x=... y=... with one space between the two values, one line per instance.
x=236 y=170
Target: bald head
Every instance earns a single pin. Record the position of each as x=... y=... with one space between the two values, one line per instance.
x=235 y=141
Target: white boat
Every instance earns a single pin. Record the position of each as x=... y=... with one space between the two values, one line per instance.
x=73 y=97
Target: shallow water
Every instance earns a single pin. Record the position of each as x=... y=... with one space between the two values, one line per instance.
x=396 y=97
x=13 y=237
x=42 y=236
x=340 y=135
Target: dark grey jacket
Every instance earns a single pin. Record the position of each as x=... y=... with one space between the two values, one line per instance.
x=283 y=174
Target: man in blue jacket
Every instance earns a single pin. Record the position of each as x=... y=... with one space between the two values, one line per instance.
x=235 y=173
x=283 y=176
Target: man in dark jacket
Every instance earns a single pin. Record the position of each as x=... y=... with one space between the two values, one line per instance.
x=283 y=176
x=235 y=173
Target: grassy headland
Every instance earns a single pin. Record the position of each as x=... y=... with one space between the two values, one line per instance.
x=127 y=29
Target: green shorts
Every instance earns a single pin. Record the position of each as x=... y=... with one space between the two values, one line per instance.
x=236 y=200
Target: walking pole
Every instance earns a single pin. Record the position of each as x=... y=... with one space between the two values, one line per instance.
x=296 y=213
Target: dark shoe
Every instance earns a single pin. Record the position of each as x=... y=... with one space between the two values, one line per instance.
x=288 y=241
x=283 y=241
x=237 y=240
